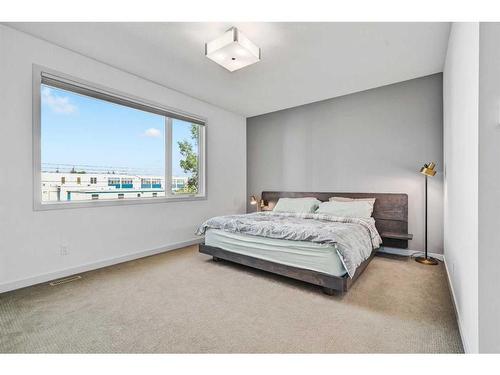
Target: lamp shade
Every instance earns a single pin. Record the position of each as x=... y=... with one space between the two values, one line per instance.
x=428 y=169
x=253 y=200
x=232 y=50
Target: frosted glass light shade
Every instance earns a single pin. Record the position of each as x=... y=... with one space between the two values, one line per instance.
x=232 y=50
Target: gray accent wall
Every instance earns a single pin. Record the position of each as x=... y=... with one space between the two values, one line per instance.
x=371 y=141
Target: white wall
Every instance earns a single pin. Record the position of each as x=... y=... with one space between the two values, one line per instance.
x=371 y=141
x=30 y=241
x=461 y=97
x=489 y=188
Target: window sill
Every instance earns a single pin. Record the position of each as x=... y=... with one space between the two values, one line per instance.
x=38 y=206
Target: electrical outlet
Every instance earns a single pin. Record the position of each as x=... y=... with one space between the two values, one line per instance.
x=64 y=250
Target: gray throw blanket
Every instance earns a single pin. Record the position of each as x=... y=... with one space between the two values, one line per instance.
x=353 y=238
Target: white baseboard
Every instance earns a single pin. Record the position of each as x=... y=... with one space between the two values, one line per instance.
x=21 y=283
x=457 y=313
x=407 y=252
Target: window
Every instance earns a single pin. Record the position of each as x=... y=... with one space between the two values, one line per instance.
x=127 y=183
x=130 y=144
x=145 y=183
x=185 y=157
x=114 y=182
x=156 y=183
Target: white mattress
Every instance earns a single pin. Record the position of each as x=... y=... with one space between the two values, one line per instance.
x=301 y=254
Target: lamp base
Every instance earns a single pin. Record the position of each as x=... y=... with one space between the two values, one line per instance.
x=427 y=261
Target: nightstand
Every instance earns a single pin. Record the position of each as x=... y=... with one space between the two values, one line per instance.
x=394 y=239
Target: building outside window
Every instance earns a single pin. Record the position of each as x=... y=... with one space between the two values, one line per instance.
x=178 y=183
x=76 y=127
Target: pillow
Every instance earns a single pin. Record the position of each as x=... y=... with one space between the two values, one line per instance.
x=345 y=199
x=298 y=205
x=355 y=208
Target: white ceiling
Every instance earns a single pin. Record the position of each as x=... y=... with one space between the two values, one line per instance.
x=301 y=62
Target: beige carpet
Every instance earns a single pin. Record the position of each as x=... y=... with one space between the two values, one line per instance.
x=182 y=302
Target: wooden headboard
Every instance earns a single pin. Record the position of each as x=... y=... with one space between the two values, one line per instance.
x=390 y=211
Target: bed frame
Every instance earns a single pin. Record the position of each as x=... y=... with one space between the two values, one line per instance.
x=391 y=216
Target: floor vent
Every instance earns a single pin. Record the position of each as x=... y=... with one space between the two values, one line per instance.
x=65 y=280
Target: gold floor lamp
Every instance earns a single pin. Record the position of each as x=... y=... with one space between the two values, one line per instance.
x=428 y=171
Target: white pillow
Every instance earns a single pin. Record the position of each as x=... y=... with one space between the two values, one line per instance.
x=298 y=205
x=345 y=199
x=356 y=208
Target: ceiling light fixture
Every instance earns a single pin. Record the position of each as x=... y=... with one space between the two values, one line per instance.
x=232 y=50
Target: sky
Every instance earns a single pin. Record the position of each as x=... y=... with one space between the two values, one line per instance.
x=78 y=130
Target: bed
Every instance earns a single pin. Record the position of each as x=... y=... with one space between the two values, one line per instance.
x=333 y=263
